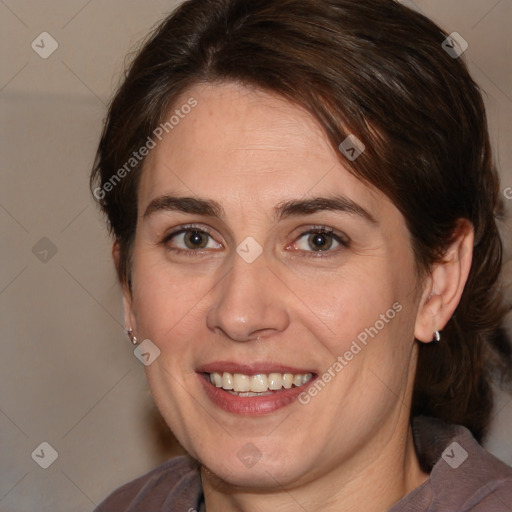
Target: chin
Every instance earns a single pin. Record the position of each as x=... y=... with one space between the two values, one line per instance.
x=265 y=477
x=249 y=468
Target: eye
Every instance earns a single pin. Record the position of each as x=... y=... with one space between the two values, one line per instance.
x=191 y=239
x=319 y=240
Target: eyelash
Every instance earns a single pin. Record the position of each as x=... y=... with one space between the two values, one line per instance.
x=185 y=229
x=343 y=241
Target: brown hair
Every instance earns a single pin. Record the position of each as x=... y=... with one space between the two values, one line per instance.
x=372 y=68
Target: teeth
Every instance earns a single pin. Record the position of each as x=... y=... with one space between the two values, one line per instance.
x=241 y=382
x=287 y=380
x=217 y=379
x=227 y=381
x=259 y=383
x=256 y=385
x=275 y=381
x=250 y=393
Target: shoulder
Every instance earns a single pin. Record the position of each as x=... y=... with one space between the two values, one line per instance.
x=174 y=485
x=464 y=476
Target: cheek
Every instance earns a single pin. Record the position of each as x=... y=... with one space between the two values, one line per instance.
x=166 y=303
x=344 y=303
x=365 y=314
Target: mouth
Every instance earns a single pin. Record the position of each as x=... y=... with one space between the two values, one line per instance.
x=253 y=390
x=261 y=384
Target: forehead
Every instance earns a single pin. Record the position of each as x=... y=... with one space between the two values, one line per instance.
x=243 y=144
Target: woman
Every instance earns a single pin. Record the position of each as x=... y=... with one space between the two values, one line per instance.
x=303 y=203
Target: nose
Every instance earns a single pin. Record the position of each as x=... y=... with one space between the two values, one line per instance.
x=248 y=303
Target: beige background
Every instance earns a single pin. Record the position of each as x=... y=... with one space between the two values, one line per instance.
x=67 y=372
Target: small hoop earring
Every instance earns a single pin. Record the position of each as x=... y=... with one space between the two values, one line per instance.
x=133 y=338
x=437 y=337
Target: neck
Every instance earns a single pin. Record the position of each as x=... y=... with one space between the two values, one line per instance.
x=383 y=475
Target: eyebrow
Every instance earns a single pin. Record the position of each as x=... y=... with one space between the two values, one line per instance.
x=210 y=208
x=193 y=205
x=317 y=204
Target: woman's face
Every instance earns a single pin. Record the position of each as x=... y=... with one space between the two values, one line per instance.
x=258 y=254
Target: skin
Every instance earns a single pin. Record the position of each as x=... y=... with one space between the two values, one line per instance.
x=350 y=447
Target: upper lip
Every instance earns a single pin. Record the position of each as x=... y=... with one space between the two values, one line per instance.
x=250 y=369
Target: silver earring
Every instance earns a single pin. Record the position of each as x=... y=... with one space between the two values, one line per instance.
x=133 y=338
x=437 y=337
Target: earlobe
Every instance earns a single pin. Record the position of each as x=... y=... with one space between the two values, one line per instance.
x=116 y=254
x=129 y=317
x=444 y=286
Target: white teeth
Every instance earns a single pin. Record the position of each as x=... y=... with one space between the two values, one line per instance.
x=217 y=379
x=250 y=393
x=275 y=381
x=260 y=384
x=287 y=380
x=227 y=381
x=241 y=382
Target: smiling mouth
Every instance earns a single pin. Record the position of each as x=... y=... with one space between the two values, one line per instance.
x=242 y=385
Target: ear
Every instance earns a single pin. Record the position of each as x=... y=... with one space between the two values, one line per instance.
x=129 y=317
x=445 y=283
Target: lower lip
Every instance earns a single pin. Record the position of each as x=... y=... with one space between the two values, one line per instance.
x=251 y=405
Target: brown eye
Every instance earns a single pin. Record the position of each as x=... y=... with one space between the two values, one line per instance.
x=196 y=239
x=320 y=241
x=189 y=239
